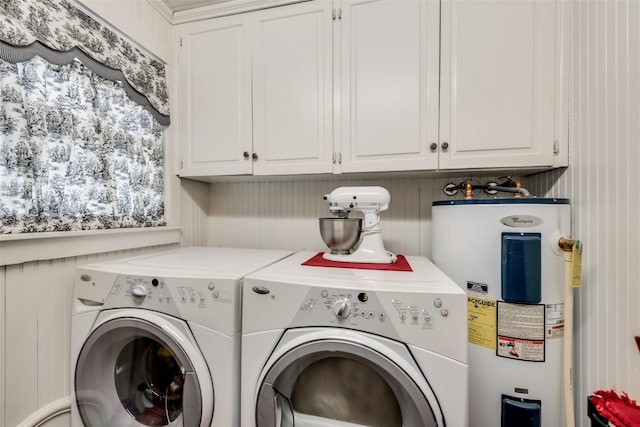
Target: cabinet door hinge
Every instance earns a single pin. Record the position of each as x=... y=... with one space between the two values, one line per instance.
x=181 y=164
x=337 y=158
x=556 y=147
x=337 y=14
x=180 y=41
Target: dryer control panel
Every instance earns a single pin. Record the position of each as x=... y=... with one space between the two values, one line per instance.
x=374 y=312
x=424 y=319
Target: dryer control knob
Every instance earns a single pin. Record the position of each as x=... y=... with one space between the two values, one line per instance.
x=342 y=309
x=139 y=291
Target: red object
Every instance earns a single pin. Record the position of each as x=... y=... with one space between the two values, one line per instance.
x=620 y=411
x=318 y=261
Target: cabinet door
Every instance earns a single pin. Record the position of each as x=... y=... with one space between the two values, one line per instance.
x=389 y=88
x=214 y=104
x=498 y=83
x=292 y=89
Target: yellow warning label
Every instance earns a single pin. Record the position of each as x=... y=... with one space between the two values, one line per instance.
x=576 y=265
x=482 y=322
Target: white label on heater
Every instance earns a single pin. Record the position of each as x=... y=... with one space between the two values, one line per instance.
x=521 y=331
x=554 y=323
x=521 y=221
x=513 y=348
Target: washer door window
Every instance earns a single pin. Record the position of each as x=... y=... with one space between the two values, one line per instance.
x=132 y=373
x=334 y=383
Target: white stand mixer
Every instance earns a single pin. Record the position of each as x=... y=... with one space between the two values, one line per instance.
x=370 y=201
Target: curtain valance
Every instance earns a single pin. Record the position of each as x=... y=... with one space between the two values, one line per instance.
x=58 y=31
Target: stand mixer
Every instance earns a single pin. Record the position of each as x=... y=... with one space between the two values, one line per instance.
x=360 y=243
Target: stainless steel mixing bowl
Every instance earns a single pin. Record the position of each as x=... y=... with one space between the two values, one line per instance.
x=340 y=234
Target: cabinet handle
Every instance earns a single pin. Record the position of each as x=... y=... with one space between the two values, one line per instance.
x=245 y=155
x=254 y=156
x=433 y=146
x=444 y=145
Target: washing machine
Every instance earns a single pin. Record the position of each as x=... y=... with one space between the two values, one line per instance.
x=331 y=346
x=155 y=340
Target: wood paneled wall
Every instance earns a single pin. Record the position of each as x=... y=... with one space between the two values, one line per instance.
x=601 y=181
x=284 y=214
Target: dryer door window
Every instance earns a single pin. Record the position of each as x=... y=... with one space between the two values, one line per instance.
x=131 y=373
x=335 y=383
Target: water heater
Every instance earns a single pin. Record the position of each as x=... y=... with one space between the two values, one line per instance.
x=504 y=253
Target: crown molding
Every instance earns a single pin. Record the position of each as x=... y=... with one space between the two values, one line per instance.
x=226 y=8
x=163 y=9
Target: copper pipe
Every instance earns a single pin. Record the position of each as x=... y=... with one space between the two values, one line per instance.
x=517 y=183
x=468 y=190
x=566 y=244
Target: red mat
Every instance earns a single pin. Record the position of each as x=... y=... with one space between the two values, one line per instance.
x=318 y=261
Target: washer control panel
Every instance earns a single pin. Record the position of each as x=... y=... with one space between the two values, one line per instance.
x=157 y=293
x=198 y=299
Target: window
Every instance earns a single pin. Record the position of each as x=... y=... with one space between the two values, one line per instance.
x=81 y=116
x=76 y=153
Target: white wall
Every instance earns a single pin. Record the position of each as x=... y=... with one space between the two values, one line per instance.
x=284 y=214
x=602 y=183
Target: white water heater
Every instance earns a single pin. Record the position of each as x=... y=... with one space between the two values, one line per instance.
x=504 y=253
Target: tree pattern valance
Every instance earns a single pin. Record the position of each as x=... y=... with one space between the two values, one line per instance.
x=40 y=27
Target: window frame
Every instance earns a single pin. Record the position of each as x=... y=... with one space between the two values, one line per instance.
x=26 y=247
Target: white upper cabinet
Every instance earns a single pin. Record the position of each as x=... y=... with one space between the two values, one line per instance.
x=292 y=90
x=375 y=86
x=499 y=81
x=214 y=106
x=389 y=84
x=256 y=93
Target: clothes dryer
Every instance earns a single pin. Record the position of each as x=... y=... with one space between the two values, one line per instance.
x=156 y=339
x=324 y=346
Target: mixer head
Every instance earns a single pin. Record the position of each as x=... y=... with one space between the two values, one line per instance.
x=372 y=199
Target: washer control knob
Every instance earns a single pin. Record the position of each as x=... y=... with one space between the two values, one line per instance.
x=341 y=309
x=139 y=291
x=437 y=303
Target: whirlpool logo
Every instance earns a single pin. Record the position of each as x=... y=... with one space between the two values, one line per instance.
x=521 y=221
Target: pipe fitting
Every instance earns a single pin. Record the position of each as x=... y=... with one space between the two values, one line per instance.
x=518 y=192
x=517 y=184
x=566 y=244
x=468 y=190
